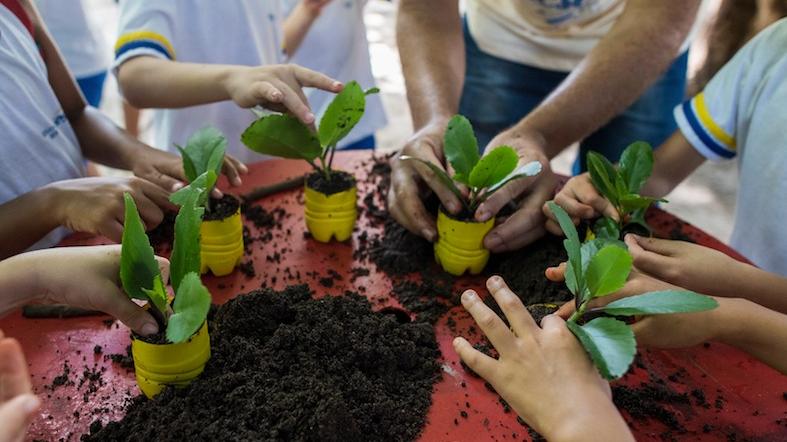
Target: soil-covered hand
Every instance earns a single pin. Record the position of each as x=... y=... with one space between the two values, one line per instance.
x=84 y=277
x=581 y=201
x=277 y=87
x=95 y=205
x=526 y=224
x=166 y=170
x=542 y=372
x=18 y=404
x=410 y=180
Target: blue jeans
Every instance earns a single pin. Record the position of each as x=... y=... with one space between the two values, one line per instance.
x=498 y=93
x=366 y=143
x=93 y=88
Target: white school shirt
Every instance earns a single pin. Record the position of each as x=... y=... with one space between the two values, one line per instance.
x=547 y=34
x=38 y=145
x=336 y=45
x=742 y=113
x=239 y=32
x=77 y=36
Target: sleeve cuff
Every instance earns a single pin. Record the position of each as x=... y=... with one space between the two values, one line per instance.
x=143 y=42
x=702 y=132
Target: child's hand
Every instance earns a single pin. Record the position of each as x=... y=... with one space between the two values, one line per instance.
x=277 y=87
x=84 y=277
x=581 y=201
x=166 y=170
x=95 y=205
x=542 y=372
x=18 y=404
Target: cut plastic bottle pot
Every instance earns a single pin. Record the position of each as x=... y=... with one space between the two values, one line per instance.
x=460 y=245
x=221 y=245
x=330 y=216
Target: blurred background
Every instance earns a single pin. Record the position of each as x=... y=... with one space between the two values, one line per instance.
x=706 y=199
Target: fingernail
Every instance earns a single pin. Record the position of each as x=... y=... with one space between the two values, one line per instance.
x=177 y=186
x=428 y=234
x=276 y=96
x=482 y=215
x=494 y=281
x=456 y=342
x=452 y=207
x=337 y=84
x=31 y=403
x=309 y=117
x=149 y=329
x=468 y=296
x=493 y=241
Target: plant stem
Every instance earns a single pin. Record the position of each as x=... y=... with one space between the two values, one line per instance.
x=332 y=149
x=579 y=312
x=159 y=317
x=325 y=169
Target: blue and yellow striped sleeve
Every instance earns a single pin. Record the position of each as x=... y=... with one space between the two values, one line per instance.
x=142 y=42
x=704 y=132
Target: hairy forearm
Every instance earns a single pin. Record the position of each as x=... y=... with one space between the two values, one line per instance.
x=759 y=331
x=104 y=142
x=26 y=219
x=673 y=162
x=150 y=82
x=433 y=58
x=296 y=26
x=626 y=62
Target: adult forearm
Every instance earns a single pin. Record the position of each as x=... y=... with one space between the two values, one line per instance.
x=296 y=26
x=25 y=220
x=150 y=82
x=431 y=47
x=626 y=62
x=759 y=331
x=104 y=142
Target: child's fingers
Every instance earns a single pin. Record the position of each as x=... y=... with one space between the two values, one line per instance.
x=574 y=208
x=480 y=363
x=264 y=92
x=664 y=247
x=14 y=378
x=492 y=326
x=587 y=194
x=516 y=313
x=231 y=169
x=553 y=227
x=16 y=415
x=556 y=274
x=645 y=260
x=112 y=229
x=310 y=78
x=294 y=103
x=110 y=299
x=566 y=310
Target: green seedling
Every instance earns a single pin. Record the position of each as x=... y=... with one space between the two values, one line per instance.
x=204 y=152
x=483 y=176
x=141 y=277
x=621 y=185
x=285 y=136
x=599 y=268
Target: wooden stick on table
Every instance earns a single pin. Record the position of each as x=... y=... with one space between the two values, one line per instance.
x=262 y=192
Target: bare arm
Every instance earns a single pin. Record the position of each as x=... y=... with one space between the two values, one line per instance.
x=433 y=58
x=25 y=220
x=674 y=161
x=629 y=59
x=298 y=23
x=754 y=329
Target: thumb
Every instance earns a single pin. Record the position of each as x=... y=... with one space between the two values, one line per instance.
x=163 y=266
x=646 y=260
x=116 y=303
x=16 y=415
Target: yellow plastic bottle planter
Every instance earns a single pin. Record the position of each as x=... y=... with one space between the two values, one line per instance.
x=331 y=215
x=159 y=365
x=221 y=245
x=460 y=247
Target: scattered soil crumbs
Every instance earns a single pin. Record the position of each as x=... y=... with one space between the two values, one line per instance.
x=125 y=360
x=247 y=268
x=287 y=367
x=221 y=208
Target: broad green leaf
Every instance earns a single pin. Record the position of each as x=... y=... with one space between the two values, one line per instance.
x=620 y=187
x=344 y=112
x=602 y=175
x=608 y=270
x=439 y=173
x=282 y=136
x=189 y=169
x=661 y=302
x=572 y=246
x=139 y=270
x=636 y=165
x=371 y=91
x=610 y=344
x=606 y=228
x=461 y=148
x=185 y=256
x=200 y=187
x=205 y=150
x=632 y=202
x=192 y=302
x=532 y=168
x=493 y=167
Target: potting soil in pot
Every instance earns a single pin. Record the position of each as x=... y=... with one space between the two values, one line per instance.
x=340 y=181
x=222 y=208
x=287 y=367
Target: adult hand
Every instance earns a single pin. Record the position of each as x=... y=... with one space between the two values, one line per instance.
x=277 y=87
x=539 y=368
x=18 y=404
x=95 y=205
x=409 y=177
x=166 y=170
x=527 y=223
x=581 y=201
x=87 y=277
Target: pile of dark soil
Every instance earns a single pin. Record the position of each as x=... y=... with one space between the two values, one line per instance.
x=339 y=182
x=162 y=235
x=222 y=208
x=287 y=367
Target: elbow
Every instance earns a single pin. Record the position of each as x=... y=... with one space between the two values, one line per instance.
x=131 y=83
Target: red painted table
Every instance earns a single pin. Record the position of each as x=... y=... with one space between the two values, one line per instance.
x=753 y=402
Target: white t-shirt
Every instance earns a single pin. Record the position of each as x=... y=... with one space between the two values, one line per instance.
x=76 y=35
x=743 y=113
x=38 y=145
x=240 y=32
x=547 y=34
x=336 y=45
